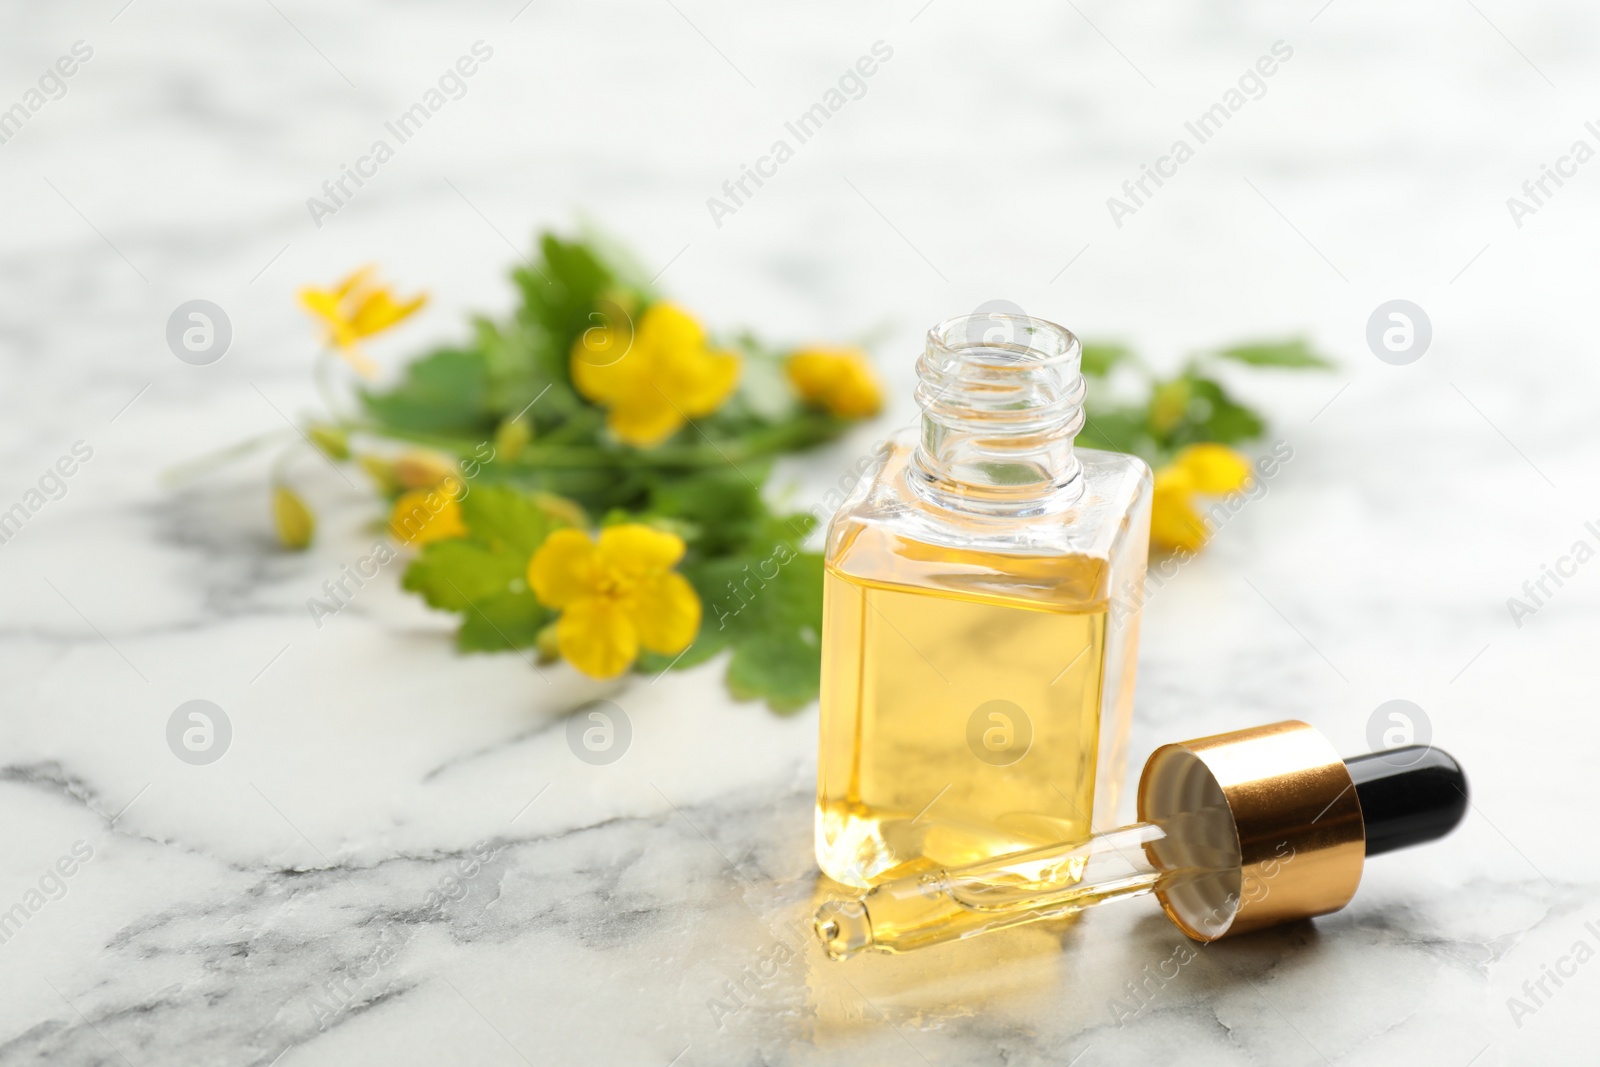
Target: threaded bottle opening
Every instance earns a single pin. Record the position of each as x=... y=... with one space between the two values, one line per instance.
x=1002 y=398
x=1012 y=370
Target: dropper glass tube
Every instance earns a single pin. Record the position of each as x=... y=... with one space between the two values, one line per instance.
x=1237 y=832
x=1043 y=883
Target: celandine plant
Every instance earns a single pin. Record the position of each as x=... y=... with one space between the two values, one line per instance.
x=584 y=477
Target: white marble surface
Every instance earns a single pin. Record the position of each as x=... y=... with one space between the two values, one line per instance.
x=368 y=760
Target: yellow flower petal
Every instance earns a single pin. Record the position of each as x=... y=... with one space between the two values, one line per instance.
x=380 y=311
x=636 y=549
x=355 y=308
x=423 y=516
x=607 y=340
x=697 y=383
x=644 y=425
x=595 y=366
x=665 y=612
x=811 y=372
x=597 y=637
x=1174 y=522
x=324 y=306
x=1216 y=469
x=320 y=302
x=668 y=326
x=357 y=278
x=857 y=395
x=564 y=569
x=839 y=380
x=654 y=378
x=615 y=594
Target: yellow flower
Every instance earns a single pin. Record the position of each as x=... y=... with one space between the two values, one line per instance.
x=1199 y=470
x=294 y=521
x=653 y=379
x=839 y=380
x=357 y=307
x=615 y=596
x=423 y=516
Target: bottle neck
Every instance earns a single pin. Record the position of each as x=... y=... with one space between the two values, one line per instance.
x=1002 y=399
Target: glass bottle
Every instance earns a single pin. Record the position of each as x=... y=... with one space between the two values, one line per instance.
x=981 y=617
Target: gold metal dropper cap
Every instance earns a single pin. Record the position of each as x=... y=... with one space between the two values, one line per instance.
x=1273 y=829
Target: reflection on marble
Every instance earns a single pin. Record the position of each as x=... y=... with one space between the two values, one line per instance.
x=399 y=859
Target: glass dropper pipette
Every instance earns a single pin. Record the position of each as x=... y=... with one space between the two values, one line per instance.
x=1238 y=832
x=1051 y=882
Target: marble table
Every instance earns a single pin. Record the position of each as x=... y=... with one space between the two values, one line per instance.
x=399 y=860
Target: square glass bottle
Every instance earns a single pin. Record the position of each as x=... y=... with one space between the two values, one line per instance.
x=980 y=618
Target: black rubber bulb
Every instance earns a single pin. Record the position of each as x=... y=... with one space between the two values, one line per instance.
x=1408 y=795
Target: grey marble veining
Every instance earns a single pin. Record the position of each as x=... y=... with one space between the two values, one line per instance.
x=399 y=859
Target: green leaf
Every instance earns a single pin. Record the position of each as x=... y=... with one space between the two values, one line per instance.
x=452 y=575
x=445 y=392
x=505 y=520
x=1215 y=416
x=723 y=505
x=777 y=639
x=514 y=368
x=560 y=294
x=1294 y=352
x=1115 y=430
x=1100 y=358
x=500 y=622
x=484 y=576
x=766 y=604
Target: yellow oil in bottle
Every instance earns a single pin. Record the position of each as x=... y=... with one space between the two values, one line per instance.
x=961 y=720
